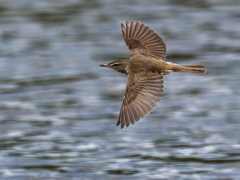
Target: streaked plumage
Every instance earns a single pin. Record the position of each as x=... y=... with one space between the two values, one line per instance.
x=145 y=69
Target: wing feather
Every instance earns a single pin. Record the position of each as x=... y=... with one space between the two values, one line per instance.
x=141 y=39
x=142 y=94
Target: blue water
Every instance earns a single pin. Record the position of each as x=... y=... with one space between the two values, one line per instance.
x=58 y=108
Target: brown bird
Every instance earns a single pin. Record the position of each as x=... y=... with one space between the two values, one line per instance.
x=145 y=70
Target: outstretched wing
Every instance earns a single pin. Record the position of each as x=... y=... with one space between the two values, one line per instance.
x=142 y=94
x=141 y=39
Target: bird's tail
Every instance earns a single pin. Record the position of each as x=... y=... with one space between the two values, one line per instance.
x=197 y=69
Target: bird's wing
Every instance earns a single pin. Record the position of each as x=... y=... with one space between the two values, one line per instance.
x=142 y=40
x=142 y=94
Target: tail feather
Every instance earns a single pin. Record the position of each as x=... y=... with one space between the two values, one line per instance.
x=197 y=69
x=195 y=66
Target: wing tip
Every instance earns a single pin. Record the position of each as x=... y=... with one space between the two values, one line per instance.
x=122 y=26
x=148 y=37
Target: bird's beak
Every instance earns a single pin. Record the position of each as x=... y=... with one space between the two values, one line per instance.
x=103 y=65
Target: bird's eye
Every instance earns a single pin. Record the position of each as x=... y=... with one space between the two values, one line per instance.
x=115 y=64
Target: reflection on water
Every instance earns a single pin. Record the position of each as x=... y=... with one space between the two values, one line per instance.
x=58 y=109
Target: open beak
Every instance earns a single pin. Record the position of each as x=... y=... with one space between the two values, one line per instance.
x=103 y=65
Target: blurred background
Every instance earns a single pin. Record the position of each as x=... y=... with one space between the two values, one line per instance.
x=58 y=108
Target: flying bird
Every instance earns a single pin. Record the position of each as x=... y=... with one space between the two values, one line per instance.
x=145 y=70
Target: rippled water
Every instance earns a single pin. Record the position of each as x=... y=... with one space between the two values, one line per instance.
x=58 y=108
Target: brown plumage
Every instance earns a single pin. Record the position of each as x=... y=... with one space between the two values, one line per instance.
x=145 y=69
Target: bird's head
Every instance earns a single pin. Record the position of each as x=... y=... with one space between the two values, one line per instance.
x=119 y=65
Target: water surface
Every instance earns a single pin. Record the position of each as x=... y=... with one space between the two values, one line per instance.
x=58 y=108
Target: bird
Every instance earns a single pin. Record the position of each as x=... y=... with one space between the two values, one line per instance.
x=145 y=70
